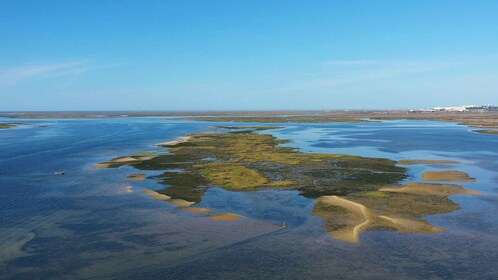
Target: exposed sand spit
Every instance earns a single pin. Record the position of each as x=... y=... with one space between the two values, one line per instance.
x=426 y=161
x=163 y=197
x=447 y=175
x=157 y=195
x=429 y=189
x=181 y=202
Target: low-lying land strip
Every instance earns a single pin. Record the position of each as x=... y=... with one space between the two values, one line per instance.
x=448 y=176
x=475 y=119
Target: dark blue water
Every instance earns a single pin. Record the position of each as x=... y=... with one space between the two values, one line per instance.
x=85 y=224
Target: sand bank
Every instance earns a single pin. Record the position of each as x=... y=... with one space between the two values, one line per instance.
x=430 y=189
x=349 y=225
x=163 y=197
x=447 y=175
x=157 y=195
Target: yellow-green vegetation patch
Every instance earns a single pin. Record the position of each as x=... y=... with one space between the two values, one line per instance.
x=146 y=153
x=232 y=176
x=376 y=194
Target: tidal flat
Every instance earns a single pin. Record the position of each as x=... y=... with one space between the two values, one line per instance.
x=323 y=200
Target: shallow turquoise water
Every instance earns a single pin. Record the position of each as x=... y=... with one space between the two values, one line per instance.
x=85 y=225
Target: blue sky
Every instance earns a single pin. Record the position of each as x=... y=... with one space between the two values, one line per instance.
x=246 y=55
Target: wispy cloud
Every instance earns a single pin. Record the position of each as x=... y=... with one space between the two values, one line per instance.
x=341 y=72
x=354 y=62
x=15 y=76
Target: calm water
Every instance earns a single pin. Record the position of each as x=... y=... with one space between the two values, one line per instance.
x=84 y=225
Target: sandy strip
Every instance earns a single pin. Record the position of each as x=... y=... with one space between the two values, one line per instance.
x=102 y=165
x=447 y=175
x=157 y=195
x=181 y=202
x=163 y=197
x=430 y=189
x=175 y=142
x=428 y=162
x=225 y=217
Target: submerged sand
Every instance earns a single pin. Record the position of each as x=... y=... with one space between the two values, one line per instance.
x=426 y=161
x=225 y=217
x=199 y=210
x=448 y=176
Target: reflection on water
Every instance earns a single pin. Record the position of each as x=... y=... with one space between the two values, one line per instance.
x=85 y=224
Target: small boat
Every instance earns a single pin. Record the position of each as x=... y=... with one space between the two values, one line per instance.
x=59 y=173
x=284 y=225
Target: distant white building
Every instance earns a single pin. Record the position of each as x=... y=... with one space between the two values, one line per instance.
x=465 y=108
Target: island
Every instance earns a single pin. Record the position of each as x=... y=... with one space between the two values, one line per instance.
x=353 y=194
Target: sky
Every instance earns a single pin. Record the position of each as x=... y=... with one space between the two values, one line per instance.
x=246 y=55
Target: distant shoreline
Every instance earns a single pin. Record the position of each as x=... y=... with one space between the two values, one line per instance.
x=474 y=119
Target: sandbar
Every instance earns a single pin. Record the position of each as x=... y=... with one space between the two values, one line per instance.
x=157 y=195
x=180 y=202
x=348 y=226
x=430 y=189
x=447 y=175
